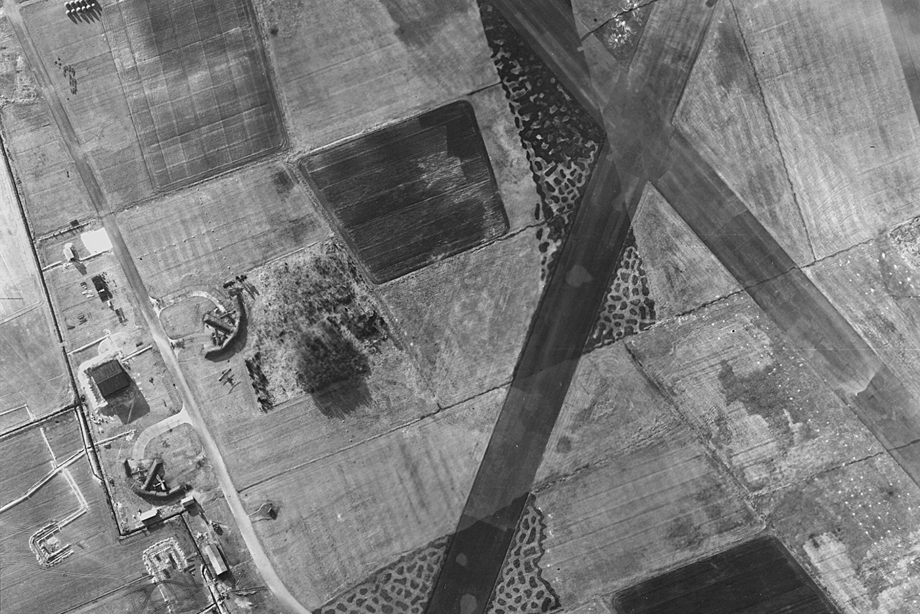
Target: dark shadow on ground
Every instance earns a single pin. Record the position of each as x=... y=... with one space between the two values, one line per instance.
x=343 y=398
x=128 y=405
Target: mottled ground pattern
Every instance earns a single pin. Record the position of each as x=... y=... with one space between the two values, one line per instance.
x=560 y=138
x=403 y=587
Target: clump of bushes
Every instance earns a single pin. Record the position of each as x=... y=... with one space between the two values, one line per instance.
x=316 y=323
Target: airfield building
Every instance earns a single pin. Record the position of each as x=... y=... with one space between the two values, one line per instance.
x=110 y=378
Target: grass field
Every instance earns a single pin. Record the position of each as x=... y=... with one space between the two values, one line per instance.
x=362 y=507
x=257 y=446
x=752 y=395
x=411 y=55
x=32 y=367
x=32 y=371
x=51 y=189
x=199 y=238
x=79 y=62
x=855 y=531
x=100 y=562
x=871 y=285
x=759 y=574
x=26 y=460
x=844 y=119
x=465 y=318
x=19 y=283
x=723 y=114
x=411 y=193
x=640 y=512
x=62 y=434
x=682 y=273
x=196 y=84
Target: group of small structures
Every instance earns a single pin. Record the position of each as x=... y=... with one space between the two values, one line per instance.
x=79 y=7
x=48 y=549
x=163 y=558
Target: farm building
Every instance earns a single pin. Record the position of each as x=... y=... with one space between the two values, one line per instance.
x=110 y=378
x=216 y=559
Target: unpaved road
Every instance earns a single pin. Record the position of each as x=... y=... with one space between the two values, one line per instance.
x=144 y=303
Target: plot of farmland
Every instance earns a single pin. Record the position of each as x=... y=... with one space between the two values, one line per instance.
x=224 y=227
x=412 y=192
x=196 y=84
x=100 y=563
x=757 y=576
x=348 y=67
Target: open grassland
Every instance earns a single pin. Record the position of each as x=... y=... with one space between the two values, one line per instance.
x=413 y=56
x=752 y=395
x=873 y=286
x=51 y=189
x=682 y=273
x=200 y=237
x=465 y=318
x=32 y=369
x=26 y=459
x=363 y=506
x=196 y=84
x=722 y=112
x=844 y=119
x=640 y=512
x=100 y=563
x=305 y=427
x=77 y=55
x=855 y=531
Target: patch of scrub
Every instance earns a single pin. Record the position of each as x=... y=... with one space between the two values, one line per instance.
x=313 y=327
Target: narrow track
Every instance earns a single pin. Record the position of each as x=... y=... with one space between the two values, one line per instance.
x=145 y=305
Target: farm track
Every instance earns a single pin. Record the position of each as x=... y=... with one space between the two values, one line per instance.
x=639 y=103
x=107 y=218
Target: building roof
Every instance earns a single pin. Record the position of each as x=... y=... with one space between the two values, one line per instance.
x=110 y=378
x=216 y=558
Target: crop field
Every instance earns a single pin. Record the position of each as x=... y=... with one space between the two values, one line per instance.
x=413 y=56
x=722 y=112
x=758 y=574
x=465 y=318
x=849 y=133
x=640 y=512
x=199 y=239
x=26 y=460
x=19 y=286
x=77 y=57
x=100 y=562
x=32 y=370
x=364 y=506
x=196 y=83
x=682 y=273
x=764 y=408
x=51 y=188
x=297 y=427
x=413 y=192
